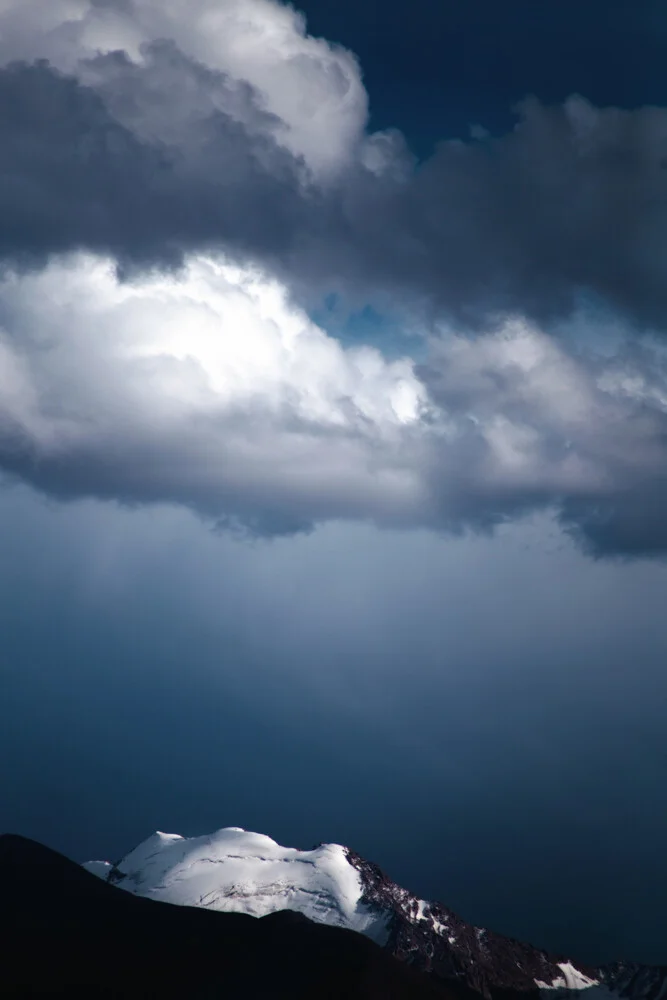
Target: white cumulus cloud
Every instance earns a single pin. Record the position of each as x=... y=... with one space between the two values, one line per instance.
x=212 y=389
x=209 y=388
x=311 y=87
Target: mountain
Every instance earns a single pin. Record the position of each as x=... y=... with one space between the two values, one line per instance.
x=65 y=933
x=236 y=871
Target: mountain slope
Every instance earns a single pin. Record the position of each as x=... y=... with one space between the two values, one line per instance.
x=233 y=870
x=66 y=933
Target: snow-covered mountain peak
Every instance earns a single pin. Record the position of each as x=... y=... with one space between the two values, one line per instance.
x=235 y=870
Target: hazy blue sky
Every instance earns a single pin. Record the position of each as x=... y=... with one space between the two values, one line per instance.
x=333 y=464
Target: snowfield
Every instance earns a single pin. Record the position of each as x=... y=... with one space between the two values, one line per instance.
x=233 y=870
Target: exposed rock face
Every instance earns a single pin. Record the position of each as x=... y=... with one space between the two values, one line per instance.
x=436 y=940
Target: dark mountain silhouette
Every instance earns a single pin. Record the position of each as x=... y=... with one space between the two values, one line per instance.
x=67 y=933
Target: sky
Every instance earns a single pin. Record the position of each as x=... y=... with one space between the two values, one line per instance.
x=333 y=442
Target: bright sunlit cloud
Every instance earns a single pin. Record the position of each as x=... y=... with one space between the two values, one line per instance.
x=211 y=388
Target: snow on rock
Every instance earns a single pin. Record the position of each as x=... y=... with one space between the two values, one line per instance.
x=572 y=979
x=237 y=871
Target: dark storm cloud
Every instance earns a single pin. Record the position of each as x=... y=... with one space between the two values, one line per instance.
x=74 y=177
x=572 y=201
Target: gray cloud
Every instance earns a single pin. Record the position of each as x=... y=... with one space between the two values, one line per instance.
x=573 y=201
x=538 y=428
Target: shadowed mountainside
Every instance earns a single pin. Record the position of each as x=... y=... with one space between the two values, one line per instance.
x=67 y=933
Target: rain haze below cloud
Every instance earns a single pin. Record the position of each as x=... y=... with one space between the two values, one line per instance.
x=380 y=689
